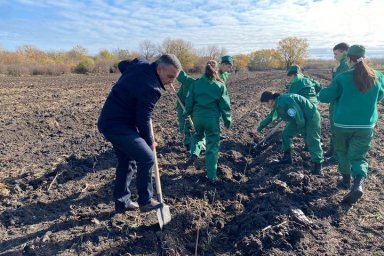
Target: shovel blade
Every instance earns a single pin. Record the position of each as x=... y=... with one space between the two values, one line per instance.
x=163 y=215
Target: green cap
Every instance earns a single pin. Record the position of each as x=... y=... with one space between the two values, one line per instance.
x=227 y=59
x=294 y=69
x=356 y=50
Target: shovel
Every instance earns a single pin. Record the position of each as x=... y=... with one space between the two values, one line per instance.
x=163 y=213
x=273 y=131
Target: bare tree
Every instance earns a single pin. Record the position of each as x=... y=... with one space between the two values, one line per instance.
x=292 y=50
x=212 y=52
x=148 y=49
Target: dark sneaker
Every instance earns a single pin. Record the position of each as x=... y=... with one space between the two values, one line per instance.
x=317 y=169
x=151 y=205
x=122 y=205
x=286 y=159
x=190 y=161
x=331 y=160
x=344 y=181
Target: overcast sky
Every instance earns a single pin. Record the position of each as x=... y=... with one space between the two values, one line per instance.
x=240 y=26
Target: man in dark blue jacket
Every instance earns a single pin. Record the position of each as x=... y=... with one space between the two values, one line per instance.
x=124 y=121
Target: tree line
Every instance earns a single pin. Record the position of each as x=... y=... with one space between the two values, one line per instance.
x=29 y=60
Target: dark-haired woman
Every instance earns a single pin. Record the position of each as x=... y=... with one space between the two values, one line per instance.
x=300 y=113
x=355 y=94
x=206 y=102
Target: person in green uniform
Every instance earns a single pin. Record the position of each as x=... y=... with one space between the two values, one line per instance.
x=301 y=85
x=340 y=53
x=300 y=113
x=207 y=101
x=186 y=81
x=185 y=128
x=226 y=66
x=354 y=123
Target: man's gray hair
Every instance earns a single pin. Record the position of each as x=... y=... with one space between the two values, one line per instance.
x=169 y=59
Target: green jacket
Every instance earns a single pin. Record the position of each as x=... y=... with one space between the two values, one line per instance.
x=305 y=86
x=301 y=85
x=209 y=98
x=224 y=75
x=294 y=108
x=353 y=109
x=343 y=66
x=290 y=107
x=186 y=83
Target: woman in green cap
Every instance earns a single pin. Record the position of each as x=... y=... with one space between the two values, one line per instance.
x=355 y=94
x=300 y=113
x=186 y=82
x=206 y=102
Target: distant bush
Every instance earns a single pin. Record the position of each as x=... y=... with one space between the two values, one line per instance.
x=84 y=66
x=103 y=66
x=17 y=70
x=50 y=70
x=319 y=64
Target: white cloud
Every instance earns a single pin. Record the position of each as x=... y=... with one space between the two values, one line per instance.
x=240 y=26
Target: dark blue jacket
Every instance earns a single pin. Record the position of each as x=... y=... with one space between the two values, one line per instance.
x=130 y=103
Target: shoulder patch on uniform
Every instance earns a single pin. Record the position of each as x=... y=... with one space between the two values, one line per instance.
x=291 y=112
x=186 y=96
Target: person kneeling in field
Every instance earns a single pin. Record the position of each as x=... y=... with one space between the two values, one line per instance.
x=355 y=94
x=206 y=101
x=301 y=114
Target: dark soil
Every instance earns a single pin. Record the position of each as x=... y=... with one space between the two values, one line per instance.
x=57 y=175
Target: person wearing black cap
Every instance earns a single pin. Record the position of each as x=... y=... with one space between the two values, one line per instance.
x=125 y=121
x=354 y=123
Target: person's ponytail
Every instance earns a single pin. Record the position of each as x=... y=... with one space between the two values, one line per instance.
x=363 y=75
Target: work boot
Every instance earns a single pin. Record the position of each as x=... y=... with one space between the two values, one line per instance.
x=191 y=160
x=286 y=159
x=344 y=181
x=151 y=205
x=317 y=169
x=356 y=191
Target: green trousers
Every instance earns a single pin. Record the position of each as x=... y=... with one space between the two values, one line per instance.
x=184 y=126
x=207 y=130
x=311 y=134
x=331 y=129
x=351 y=146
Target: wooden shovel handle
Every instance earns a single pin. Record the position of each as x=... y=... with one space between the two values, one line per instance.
x=156 y=168
x=183 y=108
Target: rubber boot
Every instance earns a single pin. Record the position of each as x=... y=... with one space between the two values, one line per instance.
x=344 y=181
x=286 y=159
x=317 y=169
x=356 y=191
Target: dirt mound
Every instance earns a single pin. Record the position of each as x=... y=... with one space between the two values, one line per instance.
x=57 y=176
